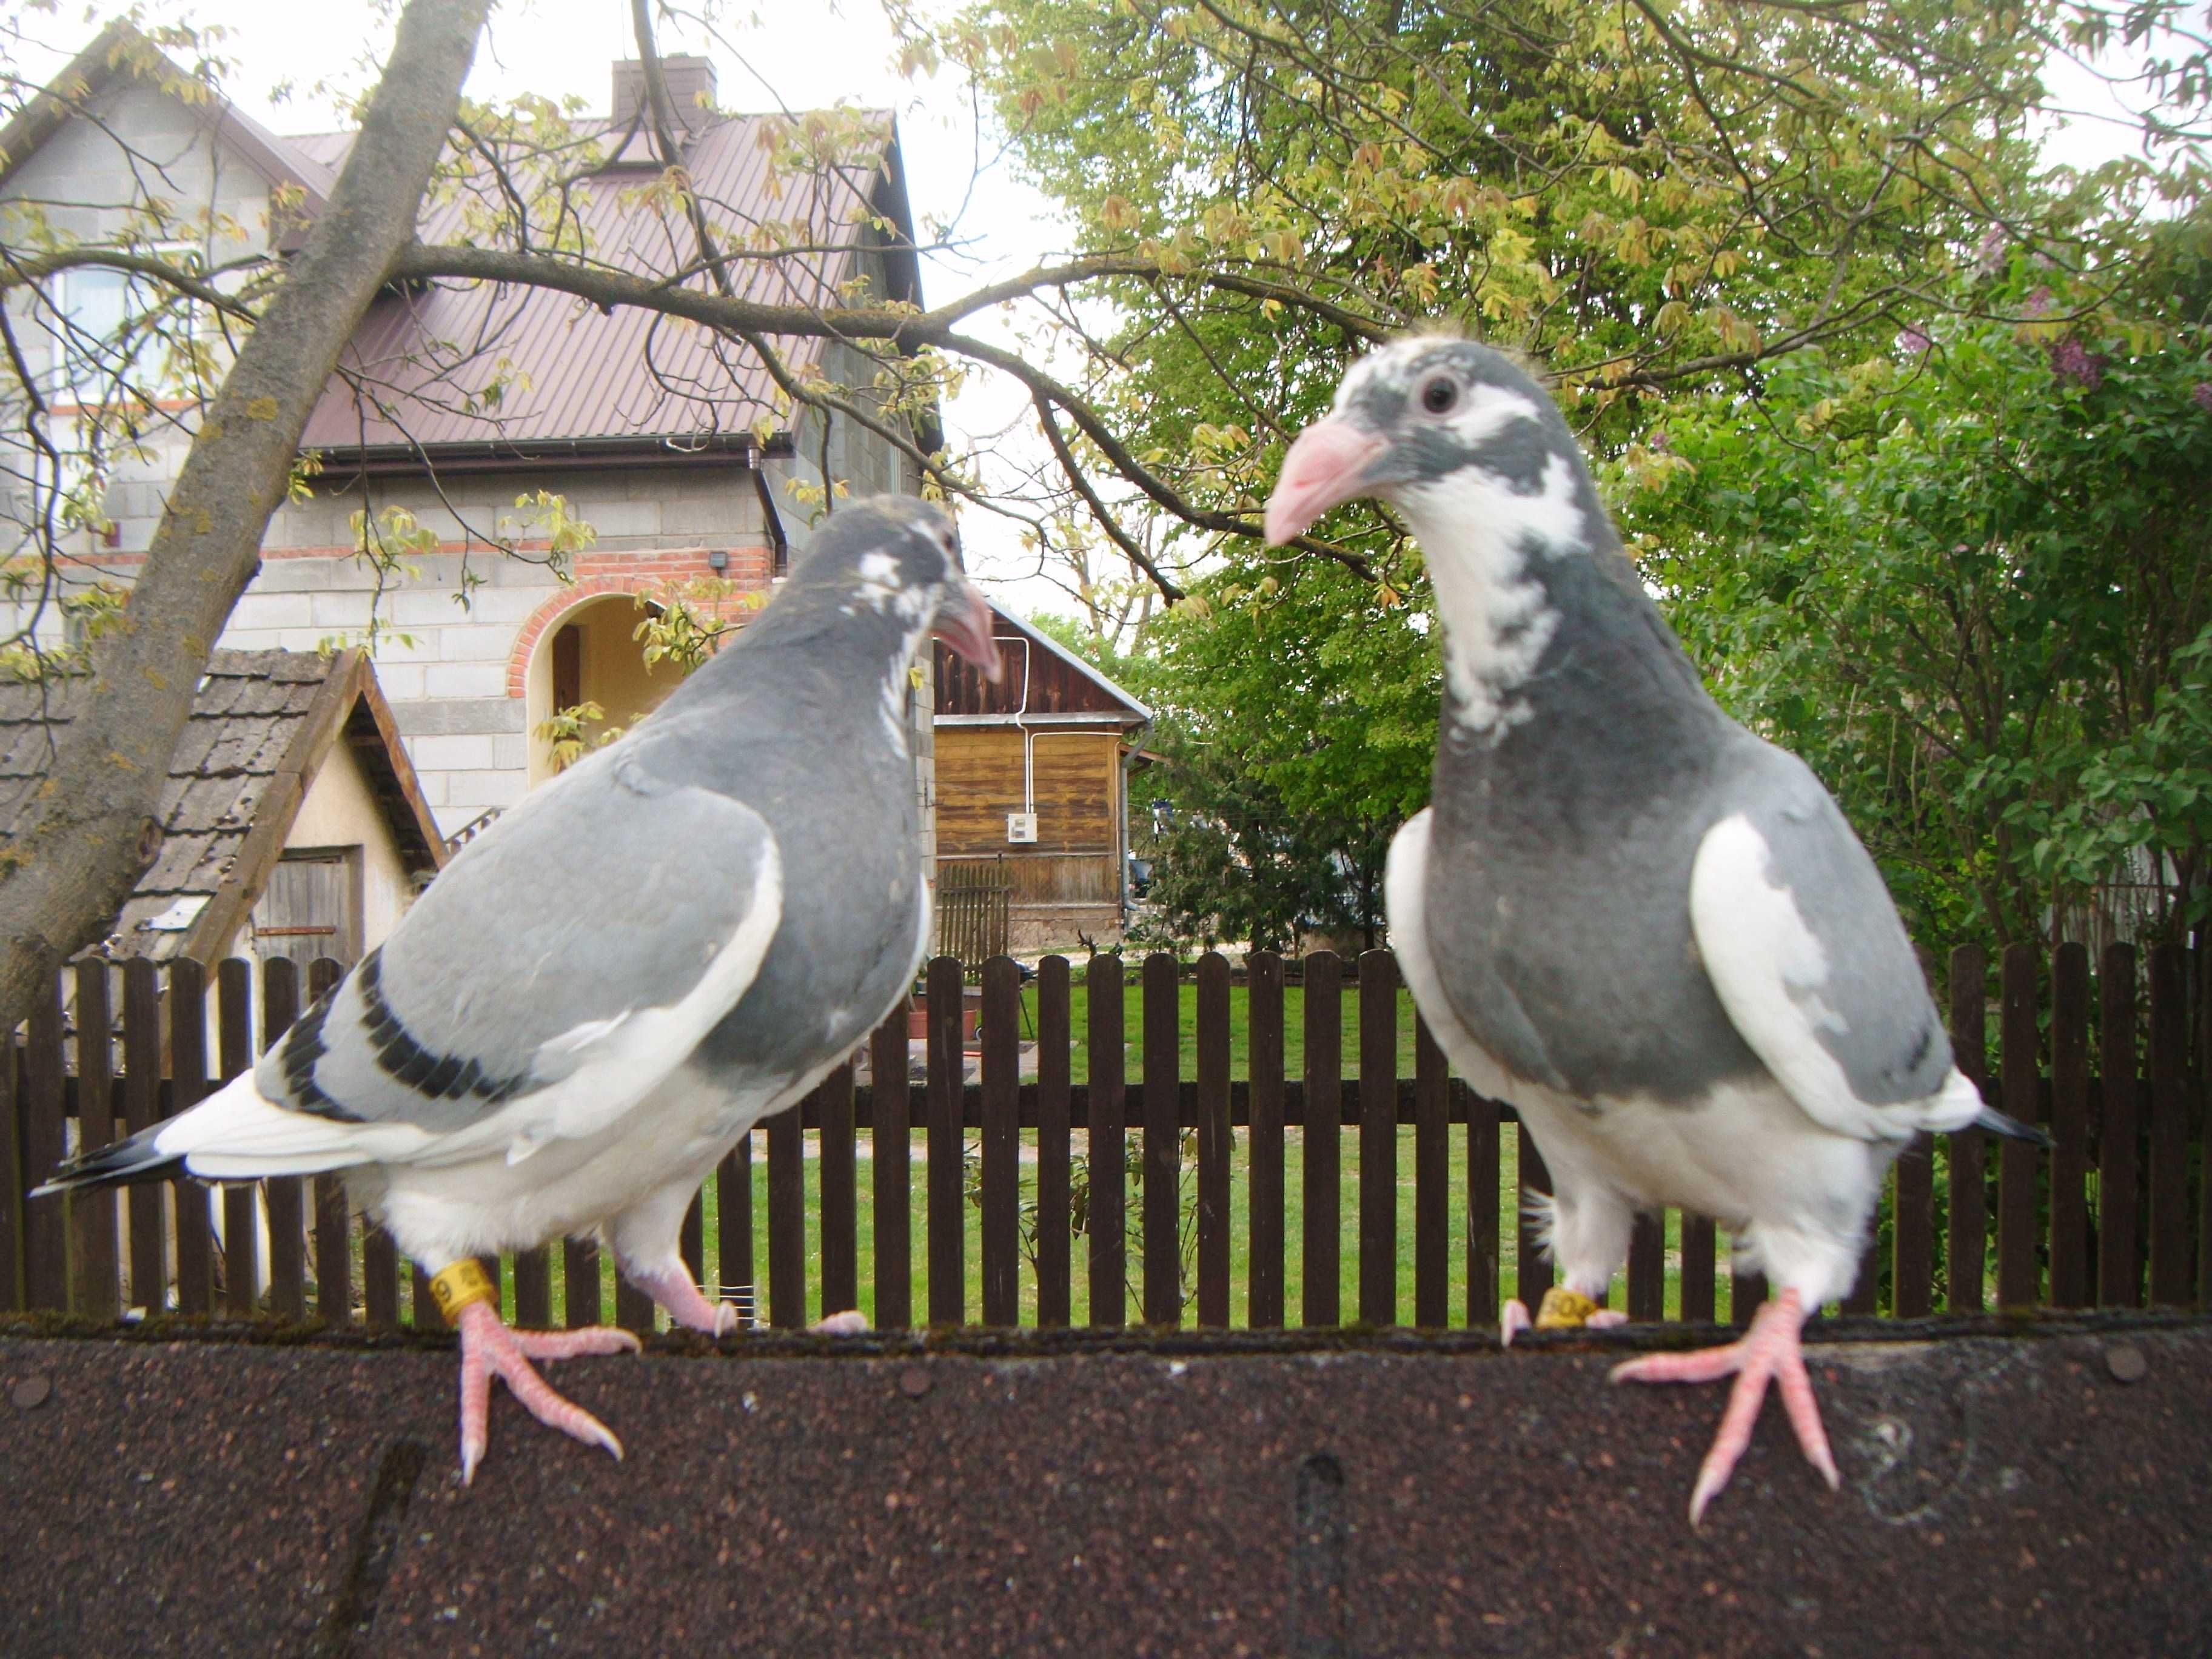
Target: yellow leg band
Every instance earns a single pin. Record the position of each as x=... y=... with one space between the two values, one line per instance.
x=455 y=1287
x=1564 y=1310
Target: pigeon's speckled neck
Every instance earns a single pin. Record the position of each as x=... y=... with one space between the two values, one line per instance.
x=1557 y=659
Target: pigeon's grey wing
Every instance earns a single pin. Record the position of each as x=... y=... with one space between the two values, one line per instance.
x=558 y=970
x=1805 y=952
x=1406 y=902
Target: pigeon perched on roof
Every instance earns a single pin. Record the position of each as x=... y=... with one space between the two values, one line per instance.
x=1651 y=932
x=678 y=936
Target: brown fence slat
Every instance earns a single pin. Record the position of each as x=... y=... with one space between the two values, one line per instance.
x=2069 y=1126
x=1698 y=1266
x=141 y=1106
x=2120 y=1175
x=1970 y=1215
x=840 y=1209
x=1484 y=1249
x=1431 y=1176
x=634 y=1308
x=1000 y=1150
x=787 y=1222
x=2173 y=1239
x=284 y=1196
x=890 y=1145
x=692 y=1240
x=1263 y=1023
x=241 y=1265
x=1107 y=1213
x=581 y=1290
x=187 y=1084
x=1378 y=1138
x=1162 y=1143
x=1745 y=1291
x=1647 y=1269
x=948 y=1197
x=1055 y=1289
x=1532 y=1268
x=733 y=1223
x=95 y=1285
x=46 y=1229
x=1213 y=1139
x=380 y=1276
x=422 y=1311
x=2203 y=1069
x=533 y=1288
x=2019 y=1277
x=333 y=1245
x=1323 y=1135
x=1912 y=1255
x=14 y=1183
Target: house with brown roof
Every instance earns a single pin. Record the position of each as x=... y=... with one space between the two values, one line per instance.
x=453 y=401
x=291 y=824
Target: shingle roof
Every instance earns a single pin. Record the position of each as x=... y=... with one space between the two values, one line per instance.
x=573 y=372
x=255 y=734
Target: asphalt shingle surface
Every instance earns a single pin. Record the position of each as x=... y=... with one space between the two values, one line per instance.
x=2002 y=1493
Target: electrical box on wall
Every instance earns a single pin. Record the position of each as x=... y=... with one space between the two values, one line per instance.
x=1021 y=827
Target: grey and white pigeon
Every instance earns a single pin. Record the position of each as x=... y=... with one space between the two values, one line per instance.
x=680 y=935
x=1651 y=932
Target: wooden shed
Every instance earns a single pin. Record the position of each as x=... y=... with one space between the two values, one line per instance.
x=1032 y=798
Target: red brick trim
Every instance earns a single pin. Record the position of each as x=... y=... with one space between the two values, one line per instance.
x=597 y=574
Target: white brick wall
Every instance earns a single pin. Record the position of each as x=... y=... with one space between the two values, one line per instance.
x=465 y=679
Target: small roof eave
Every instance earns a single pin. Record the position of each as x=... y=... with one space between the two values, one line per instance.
x=1038 y=637
x=119 y=47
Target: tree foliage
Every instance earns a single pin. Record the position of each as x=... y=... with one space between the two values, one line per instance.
x=1970 y=579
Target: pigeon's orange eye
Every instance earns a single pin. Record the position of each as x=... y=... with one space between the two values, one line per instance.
x=1438 y=395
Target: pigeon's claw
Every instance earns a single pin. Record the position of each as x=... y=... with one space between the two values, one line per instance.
x=851 y=1322
x=489 y=1349
x=1512 y=1320
x=1768 y=1350
x=671 y=1286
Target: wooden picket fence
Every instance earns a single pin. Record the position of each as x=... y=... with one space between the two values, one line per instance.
x=2114 y=1216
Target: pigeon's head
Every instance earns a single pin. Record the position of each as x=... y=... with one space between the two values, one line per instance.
x=899 y=556
x=1442 y=429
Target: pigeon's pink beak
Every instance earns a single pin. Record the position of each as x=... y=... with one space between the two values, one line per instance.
x=1325 y=467
x=965 y=625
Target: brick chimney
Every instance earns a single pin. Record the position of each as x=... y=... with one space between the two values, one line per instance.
x=691 y=88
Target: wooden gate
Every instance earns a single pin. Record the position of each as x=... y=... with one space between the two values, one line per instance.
x=973 y=896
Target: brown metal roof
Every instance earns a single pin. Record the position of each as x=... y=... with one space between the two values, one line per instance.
x=573 y=372
x=260 y=728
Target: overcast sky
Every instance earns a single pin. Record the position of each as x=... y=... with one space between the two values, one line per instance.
x=803 y=56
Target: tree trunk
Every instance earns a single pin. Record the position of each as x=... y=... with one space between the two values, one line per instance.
x=80 y=847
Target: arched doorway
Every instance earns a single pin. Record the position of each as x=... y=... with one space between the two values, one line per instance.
x=590 y=655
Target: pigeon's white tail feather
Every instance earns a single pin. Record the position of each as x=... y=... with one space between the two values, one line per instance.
x=1956 y=1108
x=237 y=1134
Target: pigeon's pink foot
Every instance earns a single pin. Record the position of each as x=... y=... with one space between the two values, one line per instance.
x=1605 y=1319
x=1770 y=1349
x=1512 y=1320
x=851 y=1322
x=490 y=1349
x=671 y=1287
